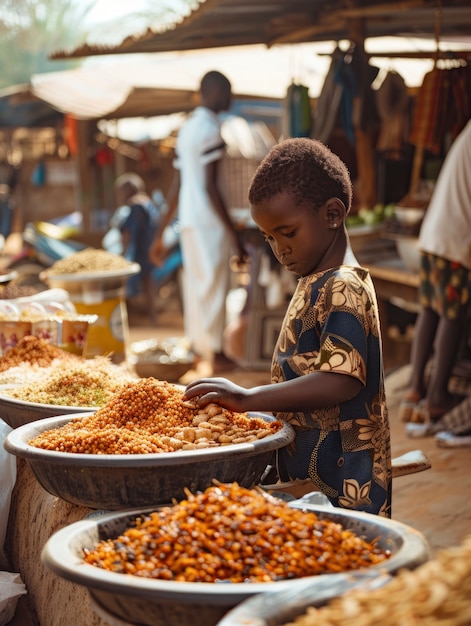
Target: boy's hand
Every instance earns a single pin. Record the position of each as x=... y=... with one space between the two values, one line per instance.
x=218 y=390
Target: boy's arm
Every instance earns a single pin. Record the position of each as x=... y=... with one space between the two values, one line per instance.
x=308 y=393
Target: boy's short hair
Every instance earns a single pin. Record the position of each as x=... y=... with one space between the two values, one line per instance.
x=304 y=168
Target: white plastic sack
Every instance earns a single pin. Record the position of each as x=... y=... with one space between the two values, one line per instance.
x=7 y=481
x=11 y=588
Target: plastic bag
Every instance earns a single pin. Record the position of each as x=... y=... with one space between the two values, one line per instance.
x=11 y=588
x=7 y=481
x=113 y=241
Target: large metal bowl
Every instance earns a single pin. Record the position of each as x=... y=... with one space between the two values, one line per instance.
x=89 y=283
x=152 y=602
x=17 y=412
x=123 y=481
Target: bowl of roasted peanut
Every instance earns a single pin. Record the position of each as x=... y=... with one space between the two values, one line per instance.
x=190 y=562
x=145 y=447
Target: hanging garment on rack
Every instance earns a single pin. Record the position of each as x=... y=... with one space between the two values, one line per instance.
x=347 y=96
x=443 y=107
x=459 y=99
x=329 y=100
x=429 y=110
x=298 y=111
x=392 y=101
x=346 y=78
x=365 y=114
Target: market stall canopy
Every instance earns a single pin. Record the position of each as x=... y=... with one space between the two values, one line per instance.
x=220 y=23
x=120 y=90
x=19 y=108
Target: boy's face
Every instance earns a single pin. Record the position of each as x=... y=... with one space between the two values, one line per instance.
x=301 y=237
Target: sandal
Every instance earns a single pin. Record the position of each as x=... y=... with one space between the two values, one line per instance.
x=423 y=421
x=406 y=408
x=421 y=414
x=446 y=439
x=424 y=414
x=427 y=429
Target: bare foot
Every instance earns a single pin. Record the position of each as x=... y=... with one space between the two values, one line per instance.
x=413 y=396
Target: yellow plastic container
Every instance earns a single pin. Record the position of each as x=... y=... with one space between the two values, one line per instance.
x=109 y=335
x=101 y=294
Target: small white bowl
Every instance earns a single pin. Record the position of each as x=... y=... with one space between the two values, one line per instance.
x=409 y=216
x=407 y=248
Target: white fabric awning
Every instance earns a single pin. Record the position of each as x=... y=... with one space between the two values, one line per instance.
x=164 y=84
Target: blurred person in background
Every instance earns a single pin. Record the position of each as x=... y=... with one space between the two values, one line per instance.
x=445 y=292
x=454 y=427
x=136 y=221
x=208 y=237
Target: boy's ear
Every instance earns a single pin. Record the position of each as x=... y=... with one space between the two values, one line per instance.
x=336 y=212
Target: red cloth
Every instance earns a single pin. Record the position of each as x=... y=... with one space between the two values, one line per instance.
x=443 y=106
x=71 y=133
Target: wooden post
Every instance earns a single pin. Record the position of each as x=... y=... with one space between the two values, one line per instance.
x=364 y=145
x=366 y=168
x=85 y=188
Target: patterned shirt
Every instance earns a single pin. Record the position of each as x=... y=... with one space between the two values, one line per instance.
x=332 y=325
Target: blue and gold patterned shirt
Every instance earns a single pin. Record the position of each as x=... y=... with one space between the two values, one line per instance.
x=332 y=325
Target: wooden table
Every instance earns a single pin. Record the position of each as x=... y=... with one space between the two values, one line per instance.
x=395 y=284
x=393 y=280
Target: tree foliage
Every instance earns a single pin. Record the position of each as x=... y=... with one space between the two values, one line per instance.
x=153 y=14
x=30 y=30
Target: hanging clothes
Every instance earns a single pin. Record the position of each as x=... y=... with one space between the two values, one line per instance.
x=459 y=99
x=426 y=111
x=298 y=121
x=347 y=96
x=346 y=78
x=392 y=101
x=328 y=102
x=442 y=107
x=365 y=115
x=71 y=134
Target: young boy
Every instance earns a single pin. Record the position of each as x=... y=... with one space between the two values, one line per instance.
x=327 y=369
